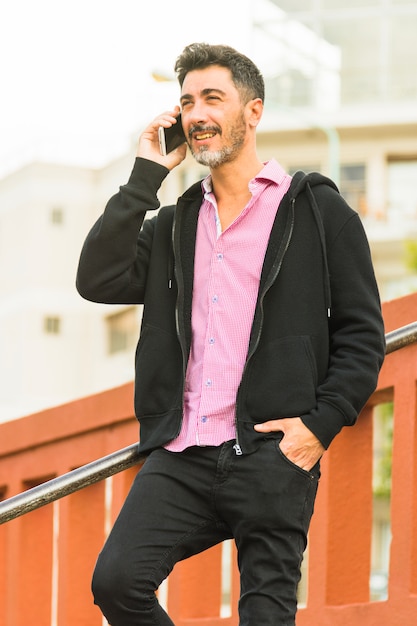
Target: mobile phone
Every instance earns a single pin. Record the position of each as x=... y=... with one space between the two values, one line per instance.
x=170 y=138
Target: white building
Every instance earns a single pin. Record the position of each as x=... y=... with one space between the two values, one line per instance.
x=342 y=104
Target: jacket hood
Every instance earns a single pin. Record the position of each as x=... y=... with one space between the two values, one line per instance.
x=304 y=183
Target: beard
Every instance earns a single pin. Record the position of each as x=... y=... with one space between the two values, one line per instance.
x=234 y=139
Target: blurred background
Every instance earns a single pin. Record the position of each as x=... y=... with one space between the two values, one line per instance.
x=80 y=80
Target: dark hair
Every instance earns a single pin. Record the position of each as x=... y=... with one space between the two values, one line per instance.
x=245 y=75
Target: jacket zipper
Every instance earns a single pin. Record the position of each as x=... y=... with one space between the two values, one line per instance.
x=237 y=448
x=177 y=323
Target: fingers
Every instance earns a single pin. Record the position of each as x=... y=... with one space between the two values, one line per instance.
x=166 y=119
x=299 y=444
x=271 y=426
x=148 y=145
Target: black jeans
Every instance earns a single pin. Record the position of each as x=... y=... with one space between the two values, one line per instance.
x=183 y=503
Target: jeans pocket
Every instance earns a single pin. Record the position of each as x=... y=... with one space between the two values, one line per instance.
x=313 y=474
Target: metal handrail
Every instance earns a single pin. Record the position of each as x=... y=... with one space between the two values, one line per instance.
x=401 y=337
x=127 y=457
x=68 y=483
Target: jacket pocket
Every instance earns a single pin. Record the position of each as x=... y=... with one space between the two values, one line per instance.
x=158 y=372
x=282 y=379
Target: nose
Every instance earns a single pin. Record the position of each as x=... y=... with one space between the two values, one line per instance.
x=198 y=114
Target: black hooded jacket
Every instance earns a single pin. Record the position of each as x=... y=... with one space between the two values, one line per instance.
x=317 y=339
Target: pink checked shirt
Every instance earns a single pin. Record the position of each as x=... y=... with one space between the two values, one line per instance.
x=226 y=280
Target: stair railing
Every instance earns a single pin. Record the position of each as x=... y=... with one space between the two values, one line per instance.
x=111 y=464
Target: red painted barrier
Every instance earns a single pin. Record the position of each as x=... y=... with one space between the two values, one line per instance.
x=47 y=556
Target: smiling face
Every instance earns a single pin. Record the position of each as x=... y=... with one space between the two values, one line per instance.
x=214 y=117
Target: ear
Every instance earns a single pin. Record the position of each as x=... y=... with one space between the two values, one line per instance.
x=254 y=111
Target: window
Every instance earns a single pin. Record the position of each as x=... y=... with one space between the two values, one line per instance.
x=376 y=40
x=402 y=190
x=57 y=216
x=402 y=83
x=353 y=186
x=52 y=325
x=122 y=330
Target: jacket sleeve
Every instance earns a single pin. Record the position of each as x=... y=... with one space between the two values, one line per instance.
x=356 y=333
x=114 y=259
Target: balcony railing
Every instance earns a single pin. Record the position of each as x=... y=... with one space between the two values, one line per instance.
x=49 y=545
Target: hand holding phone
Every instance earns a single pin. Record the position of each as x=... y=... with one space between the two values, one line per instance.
x=172 y=137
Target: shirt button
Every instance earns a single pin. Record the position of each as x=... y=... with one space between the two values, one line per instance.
x=220 y=256
x=215 y=299
x=208 y=382
x=211 y=340
x=204 y=419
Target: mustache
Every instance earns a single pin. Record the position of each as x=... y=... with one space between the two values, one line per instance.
x=198 y=128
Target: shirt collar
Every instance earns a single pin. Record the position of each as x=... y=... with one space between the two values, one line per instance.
x=272 y=172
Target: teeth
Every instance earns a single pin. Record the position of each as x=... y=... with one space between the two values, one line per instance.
x=204 y=136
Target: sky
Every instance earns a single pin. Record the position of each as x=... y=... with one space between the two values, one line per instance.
x=76 y=75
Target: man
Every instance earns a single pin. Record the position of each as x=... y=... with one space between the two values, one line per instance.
x=261 y=338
